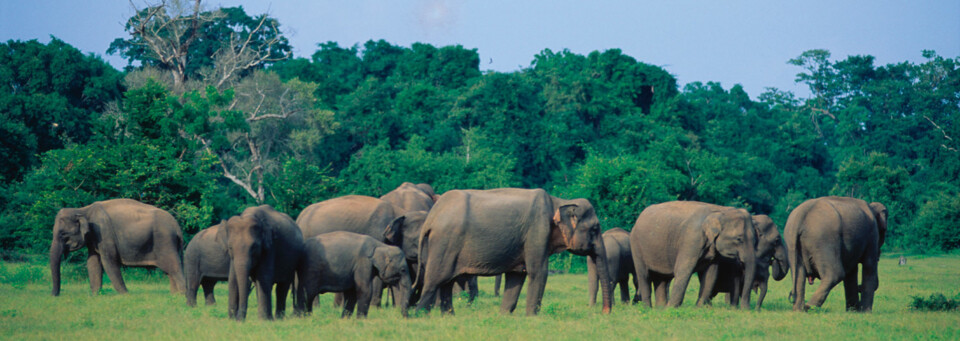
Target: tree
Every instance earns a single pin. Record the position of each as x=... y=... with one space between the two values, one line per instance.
x=49 y=95
x=188 y=42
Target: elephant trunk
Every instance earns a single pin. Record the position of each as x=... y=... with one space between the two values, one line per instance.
x=242 y=277
x=780 y=264
x=600 y=258
x=404 y=287
x=56 y=253
x=749 y=274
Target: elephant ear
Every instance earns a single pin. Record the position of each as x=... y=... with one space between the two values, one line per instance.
x=566 y=215
x=84 y=224
x=711 y=230
x=262 y=221
x=393 y=234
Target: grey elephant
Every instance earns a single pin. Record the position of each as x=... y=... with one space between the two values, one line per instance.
x=205 y=262
x=118 y=232
x=827 y=238
x=265 y=248
x=508 y=230
x=364 y=215
x=673 y=240
x=410 y=197
x=619 y=264
x=771 y=252
x=348 y=262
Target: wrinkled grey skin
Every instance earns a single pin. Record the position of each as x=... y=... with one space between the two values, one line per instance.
x=205 y=262
x=619 y=264
x=827 y=238
x=364 y=215
x=771 y=251
x=348 y=262
x=118 y=232
x=673 y=240
x=265 y=248
x=507 y=230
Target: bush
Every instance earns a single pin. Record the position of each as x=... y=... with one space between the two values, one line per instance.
x=936 y=302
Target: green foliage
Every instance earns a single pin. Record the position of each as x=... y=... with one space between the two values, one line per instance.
x=48 y=97
x=936 y=302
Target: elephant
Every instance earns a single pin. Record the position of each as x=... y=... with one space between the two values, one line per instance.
x=827 y=238
x=673 y=240
x=771 y=251
x=364 y=215
x=265 y=247
x=118 y=232
x=619 y=263
x=505 y=230
x=205 y=262
x=410 y=197
x=348 y=262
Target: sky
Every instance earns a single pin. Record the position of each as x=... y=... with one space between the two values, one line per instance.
x=731 y=42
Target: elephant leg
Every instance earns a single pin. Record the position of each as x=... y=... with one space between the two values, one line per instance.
x=264 y=300
x=828 y=279
x=376 y=292
x=538 y=282
x=708 y=280
x=112 y=267
x=170 y=265
x=364 y=297
x=95 y=272
x=624 y=290
x=208 y=296
x=679 y=286
x=446 y=297
x=496 y=285
x=338 y=299
x=473 y=289
x=851 y=291
x=799 y=286
x=762 y=293
x=281 y=291
x=349 y=302
x=663 y=291
x=513 y=281
x=642 y=278
x=871 y=281
x=734 y=296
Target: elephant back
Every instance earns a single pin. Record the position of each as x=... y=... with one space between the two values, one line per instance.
x=353 y=213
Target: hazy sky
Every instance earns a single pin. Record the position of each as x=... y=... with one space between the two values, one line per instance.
x=745 y=42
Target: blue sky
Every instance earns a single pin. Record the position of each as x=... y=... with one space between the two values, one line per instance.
x=745 y=42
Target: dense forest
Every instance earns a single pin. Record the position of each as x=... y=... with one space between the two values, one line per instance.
x=214 y=114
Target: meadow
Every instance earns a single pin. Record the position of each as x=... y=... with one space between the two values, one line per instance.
x=28 y=312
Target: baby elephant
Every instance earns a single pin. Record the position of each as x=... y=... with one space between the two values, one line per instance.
x=348 y=262
x=619 y=261
x=205 y=262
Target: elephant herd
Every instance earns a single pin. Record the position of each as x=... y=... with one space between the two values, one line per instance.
x=421 y=245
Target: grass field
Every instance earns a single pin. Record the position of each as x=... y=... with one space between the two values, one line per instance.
x=28 y=312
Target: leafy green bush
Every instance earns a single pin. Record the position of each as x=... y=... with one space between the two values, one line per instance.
x=936 y=302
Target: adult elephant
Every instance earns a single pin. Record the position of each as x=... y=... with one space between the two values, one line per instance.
x=619 y=264
x=507 y=230
x=673 y=240
x=771 y=252
x=118 y=232
x=827 y=238
x=348 y=262
x=205 y=262
x=265 y=247
x=364 y=215
x=410 y=197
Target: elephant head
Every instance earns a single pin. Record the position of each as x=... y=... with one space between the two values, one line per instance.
x=245 y=238
x=770 y=244
x=428 y=190
x=579 y=227
x=391 y=266
x=404 y=232
x=880 y=215
x=70 y=232
x=731 y=234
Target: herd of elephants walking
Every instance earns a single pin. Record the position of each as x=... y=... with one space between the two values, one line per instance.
x=421 y=246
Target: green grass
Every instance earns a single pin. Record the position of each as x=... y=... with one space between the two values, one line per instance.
x=27 y=311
